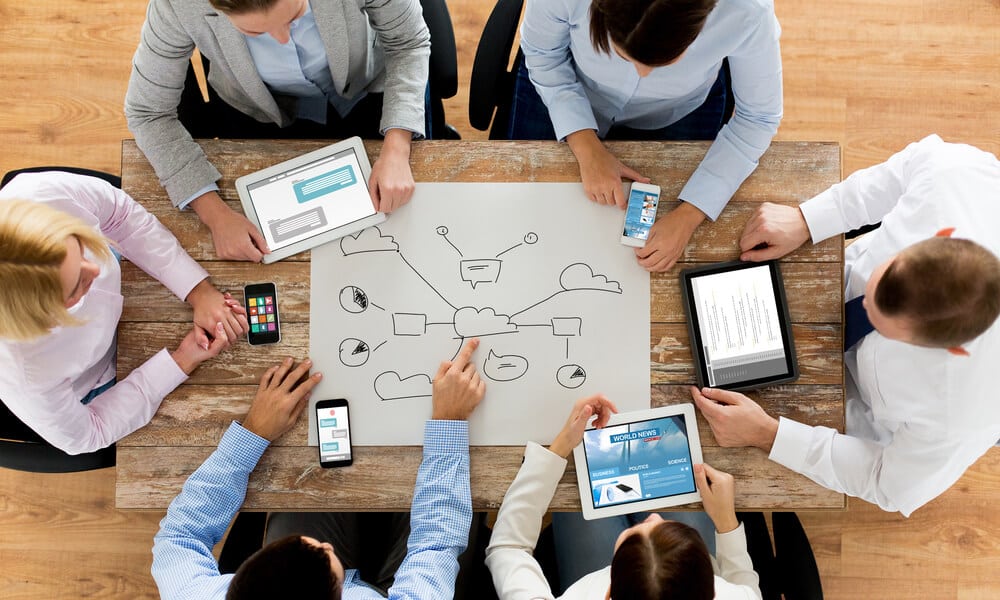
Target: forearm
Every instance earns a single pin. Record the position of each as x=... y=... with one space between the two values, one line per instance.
x=735 y=565
x=400 y=28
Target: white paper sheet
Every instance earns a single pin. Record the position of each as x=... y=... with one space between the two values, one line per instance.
x=535 y=270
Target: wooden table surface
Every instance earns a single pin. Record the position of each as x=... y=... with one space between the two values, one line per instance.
x=154 y=462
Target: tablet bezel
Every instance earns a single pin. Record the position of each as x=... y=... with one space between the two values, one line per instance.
x=694 y=332
x=653 y=504
x=243 y=183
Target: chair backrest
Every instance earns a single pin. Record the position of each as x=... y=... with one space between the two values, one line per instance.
x=492 y=86
x=112 y=179
x=443 y=76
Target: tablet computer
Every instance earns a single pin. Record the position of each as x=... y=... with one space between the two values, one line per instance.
x=310 y=200
x=737 y=316
x=642 y=460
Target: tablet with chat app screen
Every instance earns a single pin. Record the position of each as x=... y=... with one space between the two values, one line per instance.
x=740 y=333
x=310 y=200
x=639 y=461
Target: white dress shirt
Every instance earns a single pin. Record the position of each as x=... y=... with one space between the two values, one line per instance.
x=51 y=374
x=587 y=89
x=518 y=576
x=916 y=417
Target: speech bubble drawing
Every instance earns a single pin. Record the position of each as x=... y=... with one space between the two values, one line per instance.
x=472 y=322
x=579 y=276
x=390 y=386
x=506 y=367
x=368 y=240
x=483 y=270
x=566 y=326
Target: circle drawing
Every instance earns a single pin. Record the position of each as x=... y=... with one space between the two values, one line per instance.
x=442 y=230
x=571 y=376
x=353 y=299
x=531 y=237
x=354 y=352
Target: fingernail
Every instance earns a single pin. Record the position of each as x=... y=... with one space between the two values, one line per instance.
x=307 y=361
x=204 y=346
x=288 y=360
x=318 y=375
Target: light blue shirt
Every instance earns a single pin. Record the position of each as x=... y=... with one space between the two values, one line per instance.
x=585 y=89
x=183 y=565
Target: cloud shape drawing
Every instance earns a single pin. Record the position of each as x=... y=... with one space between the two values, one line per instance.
x=390 y=386
x=505 y=367
x=368 y=240
x=579 y=276
x=470 y=322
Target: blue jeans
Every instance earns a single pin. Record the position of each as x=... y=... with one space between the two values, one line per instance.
x=529 y=118
x=583 y=546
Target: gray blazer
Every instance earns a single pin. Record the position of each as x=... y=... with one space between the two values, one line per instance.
x=371 y=45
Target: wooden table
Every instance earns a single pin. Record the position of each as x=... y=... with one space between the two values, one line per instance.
x=154 y=462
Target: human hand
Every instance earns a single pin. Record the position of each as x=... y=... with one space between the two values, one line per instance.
x=196 y=348
x=779 y=228
x=282 y=394
x=457 y=386
x=668 y=237
x=211 y=307
x=600 y=171
x=736 y=420
x=572 y=432
x=391 y=183
x=718 y=496
x=235 y=237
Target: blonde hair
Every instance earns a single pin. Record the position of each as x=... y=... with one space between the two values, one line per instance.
x=32 y=249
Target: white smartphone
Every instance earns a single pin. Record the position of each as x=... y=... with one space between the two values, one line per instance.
x=334 y=428
x=643 y=198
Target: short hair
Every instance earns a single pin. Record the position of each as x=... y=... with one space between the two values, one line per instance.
x=670 y=562
x=32 y=249
x=947 y=288
x=287 y=568
x=238 y=7
x=653 y=32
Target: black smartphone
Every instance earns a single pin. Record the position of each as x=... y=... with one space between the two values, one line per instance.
x=261 y=302
x=624 y=488
x=333 y=426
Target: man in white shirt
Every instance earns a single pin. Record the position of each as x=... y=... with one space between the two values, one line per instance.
x=920 y=386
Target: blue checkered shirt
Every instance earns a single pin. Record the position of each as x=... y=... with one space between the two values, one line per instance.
x=183 y=565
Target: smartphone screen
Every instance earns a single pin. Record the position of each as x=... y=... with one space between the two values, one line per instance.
x=641 y=213
x=261 y=302
x=334 y=431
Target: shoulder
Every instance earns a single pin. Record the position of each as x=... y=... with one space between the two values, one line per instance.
x=65 y=191
x=753 y=10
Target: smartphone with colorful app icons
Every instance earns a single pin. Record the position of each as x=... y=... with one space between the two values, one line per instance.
x=261 y=302
x=334 y=429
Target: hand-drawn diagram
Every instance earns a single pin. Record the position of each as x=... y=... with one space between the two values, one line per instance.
x=405 y=303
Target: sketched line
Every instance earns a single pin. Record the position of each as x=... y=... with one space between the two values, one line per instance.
x=537 y=303
x=509 y=249
x=370 y=303
x=383 y=343
x=567 y=348
x=453 y=246
x=427 y=282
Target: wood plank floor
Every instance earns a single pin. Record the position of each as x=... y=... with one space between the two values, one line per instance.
x=870 y=74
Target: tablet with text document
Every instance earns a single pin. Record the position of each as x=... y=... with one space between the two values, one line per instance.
x=639 y=461
x=310 y=200
x=741 y=336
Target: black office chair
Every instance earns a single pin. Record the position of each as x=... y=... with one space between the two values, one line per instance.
x=491 y=89
x=21 y=449
x=789 y=568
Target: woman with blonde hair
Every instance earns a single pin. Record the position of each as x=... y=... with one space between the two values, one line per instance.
x=60 y=302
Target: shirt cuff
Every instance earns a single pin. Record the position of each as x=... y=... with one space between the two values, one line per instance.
x=208 y=188
x=446 y=437
x=417 y=135
x=243 y=447
x=163 y=374
x=546 y=459
x=823 y=217
x=790 y=444
x=708 y=193
x=732 y=542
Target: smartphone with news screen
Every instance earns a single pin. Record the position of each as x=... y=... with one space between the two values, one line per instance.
x=640 y=214
x=333 y=427
x=261 y=302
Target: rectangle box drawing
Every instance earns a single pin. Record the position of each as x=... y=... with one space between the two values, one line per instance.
x=567 y=326
x=324 y=184
x=409 y=324
x=303 y=222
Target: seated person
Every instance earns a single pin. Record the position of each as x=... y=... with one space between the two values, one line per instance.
x=61 y=298
x=921 y=336
x=279 y=68
x=302 y=566
x=652 y=70
x=653 y=558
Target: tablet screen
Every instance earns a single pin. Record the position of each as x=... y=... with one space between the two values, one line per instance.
x=739 y=326
x=311 y=199
x=644 y=460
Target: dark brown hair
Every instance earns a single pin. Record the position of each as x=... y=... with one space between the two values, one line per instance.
x=653 y=32
x=949 y=289
x=287 y=568
x=237 y=7
x=671 y=562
